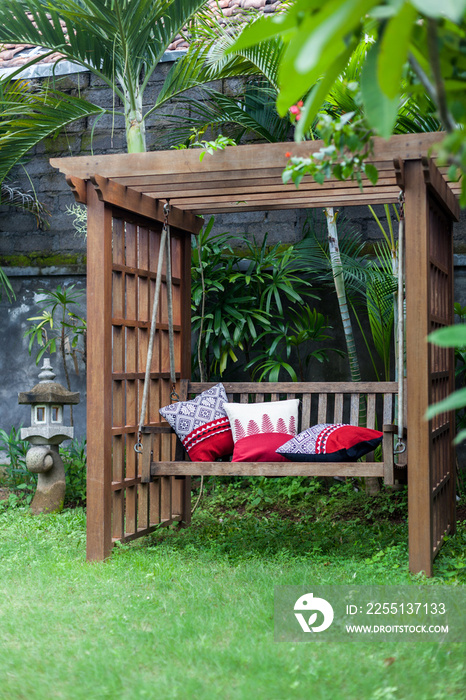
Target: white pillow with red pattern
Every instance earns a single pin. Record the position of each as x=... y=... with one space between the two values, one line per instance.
x=259 y=429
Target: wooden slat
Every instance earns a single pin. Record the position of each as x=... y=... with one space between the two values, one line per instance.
x=291 y=203
x=146 y=458
x=298 y=387
x=322 y=409
x=354 y=409
x=142 y=272
x=387 y=410
x=411 y=146
x=185 y=308
x=131 y=376
x=338 y=413
x=388 y=463
x=267 y=468
x=184 y=180
x=141 y=532
x=371 y=417
x=118 y=500
x=257 y=185
x=177 y=497
x=154 y=502
x=287 y=199
x=166 y=493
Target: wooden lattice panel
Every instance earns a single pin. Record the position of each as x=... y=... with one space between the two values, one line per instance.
x=123 y=250
x=441 y=375
x=137 y=507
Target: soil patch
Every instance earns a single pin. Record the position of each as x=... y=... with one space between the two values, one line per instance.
x=461 y=512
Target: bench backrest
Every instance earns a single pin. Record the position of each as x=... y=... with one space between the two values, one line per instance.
x=320 y=402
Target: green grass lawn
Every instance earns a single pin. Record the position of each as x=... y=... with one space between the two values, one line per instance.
x=189 y=614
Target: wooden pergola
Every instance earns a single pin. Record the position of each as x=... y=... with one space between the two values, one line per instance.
x=125 y=195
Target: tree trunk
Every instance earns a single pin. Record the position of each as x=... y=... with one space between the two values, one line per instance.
x=135 y=126
x=371 y=483
x=338 y=278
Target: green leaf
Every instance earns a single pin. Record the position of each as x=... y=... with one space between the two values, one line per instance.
x=381 y=111
x=394 y=50
x=449 y=337
x=319 y=92
x=456 y=400
x=452 y=9
x=262 y=29
x=316 y=44
x=371 y=172
x=460 y=437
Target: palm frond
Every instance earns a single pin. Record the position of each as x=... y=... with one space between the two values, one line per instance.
x=417 y=115
x=205 y=61
x=254 y=112
x=5 y=286
x=382 y=285
x=219 y=37
x=26 y=117
x=314 y=249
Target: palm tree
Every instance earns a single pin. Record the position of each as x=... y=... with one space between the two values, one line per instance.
x=119 y=41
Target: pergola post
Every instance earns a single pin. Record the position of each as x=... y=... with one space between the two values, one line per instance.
x=417 y=369
x=430 y=211
x=99 y=377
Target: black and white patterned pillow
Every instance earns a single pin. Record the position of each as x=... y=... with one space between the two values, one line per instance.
x=202 y=424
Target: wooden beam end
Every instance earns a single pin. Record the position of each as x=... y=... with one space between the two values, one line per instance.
x=78 y=188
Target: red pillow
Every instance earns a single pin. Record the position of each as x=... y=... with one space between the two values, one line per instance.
x=260 y=448
x=329 y=442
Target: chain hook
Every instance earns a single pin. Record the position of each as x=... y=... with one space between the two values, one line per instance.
x=166 y=211
x=138 y=446
x=401 y=203
x=399 y=448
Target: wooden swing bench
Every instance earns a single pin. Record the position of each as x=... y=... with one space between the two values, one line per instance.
x=320 y=402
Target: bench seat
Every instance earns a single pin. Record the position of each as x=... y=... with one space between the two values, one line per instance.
x=320 y=402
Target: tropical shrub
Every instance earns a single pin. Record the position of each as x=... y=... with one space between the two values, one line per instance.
x=239 y=295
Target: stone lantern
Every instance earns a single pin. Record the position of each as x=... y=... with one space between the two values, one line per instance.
x=47 y=431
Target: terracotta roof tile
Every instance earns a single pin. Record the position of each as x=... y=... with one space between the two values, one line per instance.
x=16 y=55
